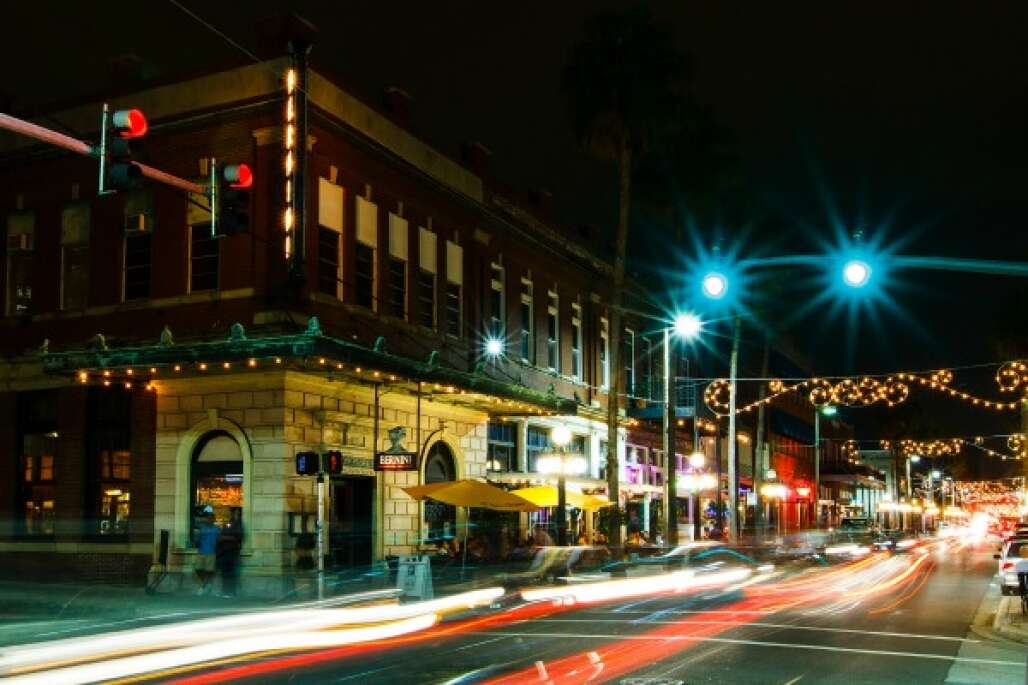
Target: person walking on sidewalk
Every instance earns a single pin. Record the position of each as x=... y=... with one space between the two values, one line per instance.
x=230 y=544
x=206 y=548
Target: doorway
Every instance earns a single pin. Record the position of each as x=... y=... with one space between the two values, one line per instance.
x=351 y=535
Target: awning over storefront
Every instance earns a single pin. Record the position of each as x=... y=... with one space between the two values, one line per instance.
x=315 y=350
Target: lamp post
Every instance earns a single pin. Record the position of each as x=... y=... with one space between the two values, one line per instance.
x=827 y=410
x=563 y=464
x=696 y=460
x=772 y=490
x=686 y=326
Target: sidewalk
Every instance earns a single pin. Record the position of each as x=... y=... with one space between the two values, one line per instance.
x=999 y=618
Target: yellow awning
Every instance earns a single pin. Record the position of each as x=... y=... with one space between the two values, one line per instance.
x=471 y=493
x=547 y=496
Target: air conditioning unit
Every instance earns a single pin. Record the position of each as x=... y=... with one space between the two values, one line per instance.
x=136 y=223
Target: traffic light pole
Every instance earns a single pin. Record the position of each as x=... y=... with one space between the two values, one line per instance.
x=45 y=135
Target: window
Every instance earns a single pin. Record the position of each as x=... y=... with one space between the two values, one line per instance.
x=137 y=266
x=426 y=278
x=21 y=227
x=396 y=288
x=364 y=283
x=527 y=322
x=537 y=443
x=330 y=227
x=576 y=341
x=367 y=244
x=603 y=459
x=454 y=288
x=203 y=259
x=217 y=479
x=75 y=257
x=396 y=270
x=629 y=362
x=502 y=446
x=497 y=304
x=426 y=299
x=110 y=461
x=139 y=226
x=328 y=262
x=604 y=354
x=553 y=333
x=37 y=417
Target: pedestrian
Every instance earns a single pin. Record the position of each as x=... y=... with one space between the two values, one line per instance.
x=206 y=550
x=230 y=545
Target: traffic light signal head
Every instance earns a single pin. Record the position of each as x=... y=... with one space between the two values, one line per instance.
x=118 y=147
x=307 y=464
x=334 y=462
x=232 y=199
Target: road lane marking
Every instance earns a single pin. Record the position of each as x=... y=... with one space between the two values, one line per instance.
x=790 y=626
x=761 y=643
x=479 y=644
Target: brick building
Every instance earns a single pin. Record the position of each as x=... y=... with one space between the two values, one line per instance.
x=150 y=369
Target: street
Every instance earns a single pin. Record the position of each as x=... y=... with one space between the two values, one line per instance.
x=880 y=620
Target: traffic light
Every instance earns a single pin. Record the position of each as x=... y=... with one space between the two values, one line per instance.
x=334 y=462
x=117 y=148
x=231 y=201
x=307 y=464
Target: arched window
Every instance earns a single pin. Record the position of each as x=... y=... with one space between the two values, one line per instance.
x=216 y=478
x=439 y=467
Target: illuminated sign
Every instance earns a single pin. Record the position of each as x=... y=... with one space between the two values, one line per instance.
x=396 y=461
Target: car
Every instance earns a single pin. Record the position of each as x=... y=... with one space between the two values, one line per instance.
x=1013 y=559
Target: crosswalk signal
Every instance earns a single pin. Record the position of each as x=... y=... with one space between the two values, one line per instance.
x=120 y=131
x=231 y=199
x=307 y=464
x=334 y=462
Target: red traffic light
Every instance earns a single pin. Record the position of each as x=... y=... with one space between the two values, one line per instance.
x=238 y=175
x=129 y=123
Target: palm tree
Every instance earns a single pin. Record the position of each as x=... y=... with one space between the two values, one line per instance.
x=623 y=84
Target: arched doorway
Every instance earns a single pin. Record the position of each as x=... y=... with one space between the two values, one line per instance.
x=441 y=519
x=216 y=479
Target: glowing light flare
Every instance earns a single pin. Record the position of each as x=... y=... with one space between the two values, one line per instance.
x=856 y=273
x=688 y=326
x=494 y=347
x=715 y=285
x=604 y=591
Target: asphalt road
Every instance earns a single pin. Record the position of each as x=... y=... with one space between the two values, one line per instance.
x=896 y=621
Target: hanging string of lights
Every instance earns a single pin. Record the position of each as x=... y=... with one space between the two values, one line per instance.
x=940 y=447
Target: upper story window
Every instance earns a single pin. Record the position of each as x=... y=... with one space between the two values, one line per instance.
x=454 y=289
x=330 y=230
x=365 y=276
x=629 y=362
x=396 y=278
x=203 y=258
x=502 y=446
x=497 y=304
x=537 y=443
x=75 y=257
x=604 y=354
x=21 y=228
x=553 y=332
x=137 y=247
x=427 y=261
x=576 y=341
x=527 y=321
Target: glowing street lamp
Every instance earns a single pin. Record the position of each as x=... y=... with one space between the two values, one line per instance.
x=494 y=347
x=564 y=465
x=856 y=273
x=715 y=285
x=697 y=459
x=688 y=326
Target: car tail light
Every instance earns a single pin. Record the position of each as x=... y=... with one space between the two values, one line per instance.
x=1007 y=565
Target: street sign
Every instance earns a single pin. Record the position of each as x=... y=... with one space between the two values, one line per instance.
x=396 y=461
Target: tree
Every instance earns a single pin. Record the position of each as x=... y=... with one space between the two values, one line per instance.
x=624 y=89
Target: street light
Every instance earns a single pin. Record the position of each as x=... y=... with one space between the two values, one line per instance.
x=687 y=326
x=856 y=273
x=697 y=459
x=562 y=464
x=494 y=347
x=715 y=285
x=826 y=410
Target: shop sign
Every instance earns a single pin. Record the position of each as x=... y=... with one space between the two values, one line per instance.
x=396 y=458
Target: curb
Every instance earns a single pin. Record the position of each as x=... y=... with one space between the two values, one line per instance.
x=1001 y=623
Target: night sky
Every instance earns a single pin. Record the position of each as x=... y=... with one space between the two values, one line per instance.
x=905 y=119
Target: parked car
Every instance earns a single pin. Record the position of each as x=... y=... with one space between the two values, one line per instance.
x=1013 y=559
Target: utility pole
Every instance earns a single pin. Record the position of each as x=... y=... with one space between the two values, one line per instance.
x=817 y=467
x=733 y=470
x=671 y=463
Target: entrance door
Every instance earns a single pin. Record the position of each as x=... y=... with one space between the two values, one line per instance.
x=350 y=530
